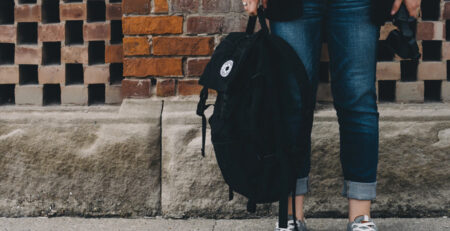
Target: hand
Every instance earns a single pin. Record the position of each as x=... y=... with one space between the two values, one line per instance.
x=413 y=7
x=252 y=6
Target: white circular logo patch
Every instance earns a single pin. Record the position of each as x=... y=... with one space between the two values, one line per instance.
x=226 y=68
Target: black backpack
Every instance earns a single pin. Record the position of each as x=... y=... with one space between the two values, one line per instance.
x=258 y=126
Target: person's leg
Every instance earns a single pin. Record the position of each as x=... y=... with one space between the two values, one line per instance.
x=304 y=35
x=352 y=42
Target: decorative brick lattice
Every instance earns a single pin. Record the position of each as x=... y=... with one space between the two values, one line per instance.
x=60 y=52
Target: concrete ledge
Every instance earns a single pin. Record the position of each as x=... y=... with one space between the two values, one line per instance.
x=80 y=161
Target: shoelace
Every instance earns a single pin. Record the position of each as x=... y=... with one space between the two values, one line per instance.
x=367 y=226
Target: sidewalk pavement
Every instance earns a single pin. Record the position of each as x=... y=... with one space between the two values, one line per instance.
x=157 y=224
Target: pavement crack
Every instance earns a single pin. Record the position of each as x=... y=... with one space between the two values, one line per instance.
x=214 y=225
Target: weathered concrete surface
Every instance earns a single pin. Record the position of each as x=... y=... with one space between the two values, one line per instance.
x=413 y=179
x=156 y=224
x=83 y=161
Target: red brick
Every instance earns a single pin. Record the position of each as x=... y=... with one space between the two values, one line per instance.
x=114 y=54
x=74 y=54
x=432 y=71
x=165 y=88
x=51 y=32
x=9 y=74
x=216 y=6
x=239 y=23
x=96 y=74
x=136 y=88
x=27 y=13
x=388 y=71
x=7 y=34
x=185 y=6
x=136 y=6
x=141 y=67
x=28 y=55
x=72 y=11
x=425 y=31
x=183 y=45
x=195 y=67
x=204 y=24
x=446 y=13
x=52 y=74
x=189 y=87
x=153 y=25
x=161 y=6
x=96 y=31
x=114 y=11
x=136 y=46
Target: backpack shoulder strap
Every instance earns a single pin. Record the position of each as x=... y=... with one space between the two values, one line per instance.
x=201 y=107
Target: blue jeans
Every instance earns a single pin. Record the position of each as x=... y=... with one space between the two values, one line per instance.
x=352 y=45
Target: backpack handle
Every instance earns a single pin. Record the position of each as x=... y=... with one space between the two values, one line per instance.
x=262 y=21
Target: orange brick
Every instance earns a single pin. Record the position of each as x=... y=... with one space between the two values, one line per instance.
x=165 y=88
x=136 y=46
x=28 y=55
x=27 y=13
x=141 y=67
x=9 y=74
x=7 y=34
x=161 y=6
x=183 y=45
x=74 y=54
x=153 y=25
x=51 y=74
x=72 y=11
x=114 y=54
x=96 y=74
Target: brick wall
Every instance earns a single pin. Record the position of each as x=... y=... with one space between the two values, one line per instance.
x=168 y=42
x=60 y=52
x=70 y=51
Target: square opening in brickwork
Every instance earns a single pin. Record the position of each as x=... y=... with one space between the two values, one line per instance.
x=116 y=73
x=69 y=1
x=409 y=70
x=447 y=30
x=324 y=72
x=386 y=90
x=96 y=52
x=116 y=32
x=431 y=9
x=448 y=70
x=74 y=32
x=7 y=53
x=52 y=94
x=51 y=53
x=28 y=74
x=96 y=10
x=114 y=1
x=26 y=1
x=7 y=94
x=74 y=73
x=50 y=11
x=433 y=90
x=96 y=94
x=432 y=50
x=6 y=12
x=27 y=32
x=384 y=53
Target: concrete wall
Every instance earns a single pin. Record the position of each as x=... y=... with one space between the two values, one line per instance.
x=143 y=159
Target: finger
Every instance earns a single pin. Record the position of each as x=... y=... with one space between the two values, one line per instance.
x=396 y=6
x=264 y=2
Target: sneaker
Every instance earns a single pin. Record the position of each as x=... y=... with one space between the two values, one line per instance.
x=301 y=225
x=362 y=223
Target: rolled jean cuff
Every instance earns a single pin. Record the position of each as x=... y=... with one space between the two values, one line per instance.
x=302 y=186
x=359 y=190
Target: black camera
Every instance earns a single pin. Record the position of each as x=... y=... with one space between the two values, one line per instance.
x=403 y=41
